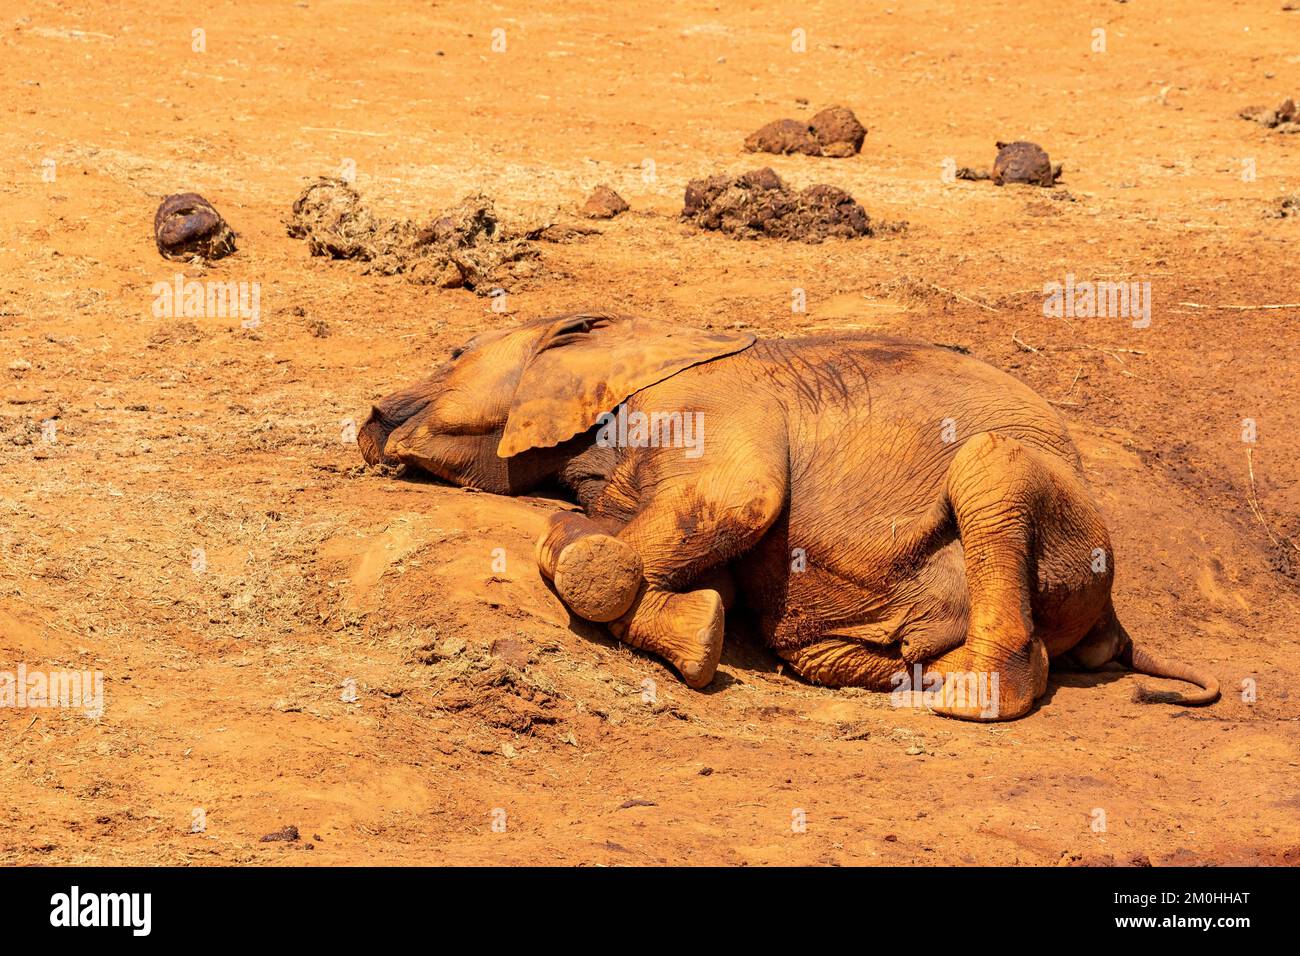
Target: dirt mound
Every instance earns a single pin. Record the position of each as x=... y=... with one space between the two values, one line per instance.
x=759 y=204
x=1285 y=117
x=187 y=226
x=493 y=684
x=834 y=132
x=1018 y=162
x=604 y=203
x=466 y=246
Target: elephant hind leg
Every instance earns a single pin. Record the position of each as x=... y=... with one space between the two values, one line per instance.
x=1038 y=572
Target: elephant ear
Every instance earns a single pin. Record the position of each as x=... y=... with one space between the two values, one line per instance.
x=585 y=365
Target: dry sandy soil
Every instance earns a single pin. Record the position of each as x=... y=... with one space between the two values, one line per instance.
x=475 y=697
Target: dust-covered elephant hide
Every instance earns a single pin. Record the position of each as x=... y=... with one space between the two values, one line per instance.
x=896 y=515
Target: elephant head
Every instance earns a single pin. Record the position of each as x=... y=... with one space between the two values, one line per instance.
x=510 y=407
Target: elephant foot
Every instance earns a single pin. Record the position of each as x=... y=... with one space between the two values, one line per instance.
x=840 y=662
x=598 y=577
x=989 y=691
x=686 y=630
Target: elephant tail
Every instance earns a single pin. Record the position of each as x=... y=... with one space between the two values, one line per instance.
x=1144 y=662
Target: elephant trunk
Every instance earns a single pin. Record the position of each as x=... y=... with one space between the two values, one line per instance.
x=372 y=437
x=1143 y=662
x=391 y=412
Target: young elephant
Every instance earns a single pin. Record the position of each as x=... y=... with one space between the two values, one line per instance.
x=886 y=508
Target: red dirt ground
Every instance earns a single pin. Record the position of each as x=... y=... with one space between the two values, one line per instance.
x=474 y=696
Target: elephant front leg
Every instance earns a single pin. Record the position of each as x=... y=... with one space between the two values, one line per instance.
x=597 y=575
x=601 y=578
x=685 y=536
x=661 y=580
x=686 y=630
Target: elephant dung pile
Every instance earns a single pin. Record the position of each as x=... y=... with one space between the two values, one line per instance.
x=466 y=246
x=1285 y=118
x=187 y=226
x=758 y=204
x=834 y=132
x=1018 y=162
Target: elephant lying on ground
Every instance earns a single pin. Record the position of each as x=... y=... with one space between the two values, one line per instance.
x=896 y=515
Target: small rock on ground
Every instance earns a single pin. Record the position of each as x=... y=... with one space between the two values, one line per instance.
x=604 y=203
